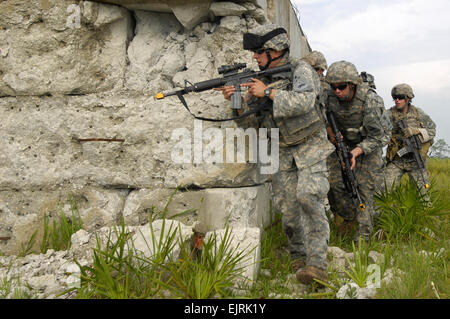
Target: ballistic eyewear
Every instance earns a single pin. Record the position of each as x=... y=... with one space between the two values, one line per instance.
x=339 y=87
x=399 y=97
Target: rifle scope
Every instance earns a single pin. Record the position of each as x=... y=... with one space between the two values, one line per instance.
x=230 y=68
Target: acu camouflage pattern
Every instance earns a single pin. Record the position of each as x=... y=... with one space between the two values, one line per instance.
x=396 y=165
x=402 y=88
x=324 y=89
x=343 y=71
x=369 y=79
x=363 y=123
x=277 y=43
x=316 y=59
x=369 y=173
x=300 y=187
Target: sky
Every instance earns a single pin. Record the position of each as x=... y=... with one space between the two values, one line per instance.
x=397 y=41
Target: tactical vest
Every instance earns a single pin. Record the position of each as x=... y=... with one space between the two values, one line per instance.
x=350 y=115
x=412 y=118
x=293 y=130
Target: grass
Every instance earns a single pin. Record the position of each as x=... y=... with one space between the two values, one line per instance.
x=119 y=271
x=412 y=236
x=421 y=275
x=58 y=234
x=405 y=228
x=405 y=213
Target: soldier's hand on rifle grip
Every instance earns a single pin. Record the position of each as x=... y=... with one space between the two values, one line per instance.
x=357 y=151
x=410 y=131
x=331 y=135
x=256 y=88
x=227 y=91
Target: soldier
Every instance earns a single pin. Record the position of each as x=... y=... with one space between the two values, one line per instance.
x=363 y=123
x=418 y=123
x=369 y=79
x=300 y=186
x=317 y=60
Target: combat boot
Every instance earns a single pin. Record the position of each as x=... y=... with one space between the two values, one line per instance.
x=307 y=275
x=298 y=264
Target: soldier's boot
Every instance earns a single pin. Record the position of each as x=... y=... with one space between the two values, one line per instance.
x=298 y=264
x=307 y=275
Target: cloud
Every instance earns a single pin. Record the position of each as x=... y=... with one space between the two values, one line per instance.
x=397 y=41
x=430 y=76
x=381 y=27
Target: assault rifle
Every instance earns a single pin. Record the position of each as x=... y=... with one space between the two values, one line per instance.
x=230 y=76
x=412 y=146
x=348 y=175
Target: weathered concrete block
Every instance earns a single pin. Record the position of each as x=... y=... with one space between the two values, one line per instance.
x=146 y=239
x=236 y=207
x=192 y=13
x=22 y=213
x=60 y=51
x=153 y=54
x=221 y=9
x=51 y=151
x=180 y=205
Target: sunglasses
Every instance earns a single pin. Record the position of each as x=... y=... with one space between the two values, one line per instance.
x=339 y=87
x=399 y=97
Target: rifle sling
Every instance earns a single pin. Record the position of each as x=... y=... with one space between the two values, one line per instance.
x=246 y=114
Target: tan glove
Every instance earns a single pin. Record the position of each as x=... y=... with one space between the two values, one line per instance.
x=410 y=131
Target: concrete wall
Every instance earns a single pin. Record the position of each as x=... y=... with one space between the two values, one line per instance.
x=192 y=12
x=75 y=72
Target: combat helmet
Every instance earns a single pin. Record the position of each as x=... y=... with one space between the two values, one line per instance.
x=402 y=89
x=343 y=71
x=267 y=36
x=316 y=59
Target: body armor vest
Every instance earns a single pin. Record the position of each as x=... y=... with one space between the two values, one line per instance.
x=412 y=118
x=350 y=115
x=293 y=130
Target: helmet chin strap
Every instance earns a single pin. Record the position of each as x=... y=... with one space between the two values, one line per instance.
x=270 y=59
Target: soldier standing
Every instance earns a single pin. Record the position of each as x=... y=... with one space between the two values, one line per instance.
x=418 y=123
x=300 y=186
x=364 y=125
x=317 y=60
x=369 y=79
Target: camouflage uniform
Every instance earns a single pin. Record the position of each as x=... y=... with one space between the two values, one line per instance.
x=317 y=60
x=416 y=118
x=363 y=123
x=369 y=79
x=300 y=185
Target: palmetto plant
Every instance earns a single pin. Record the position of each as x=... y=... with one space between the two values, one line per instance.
x=119 y=270
x=404 y=212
